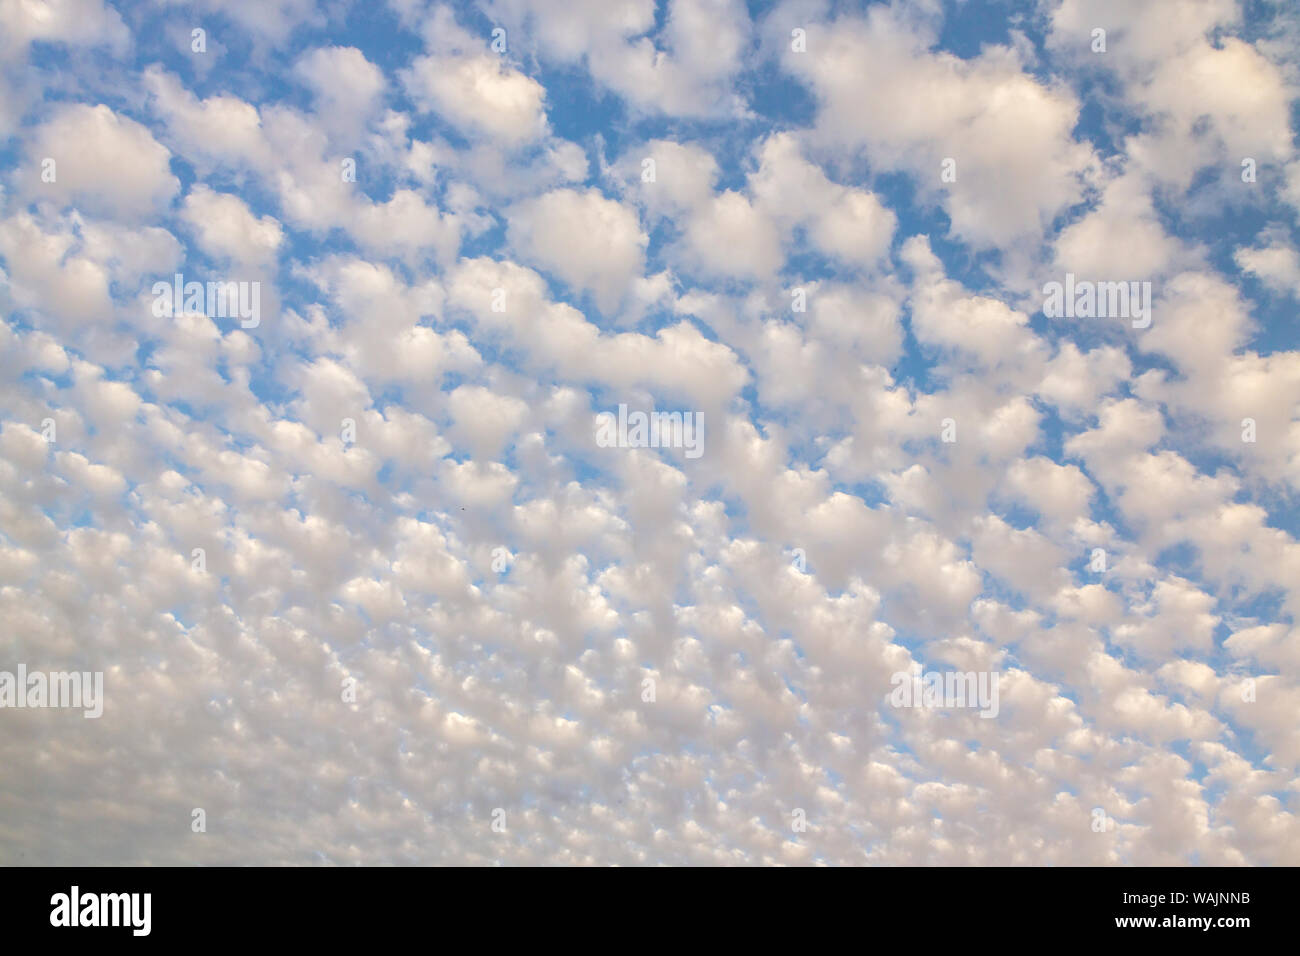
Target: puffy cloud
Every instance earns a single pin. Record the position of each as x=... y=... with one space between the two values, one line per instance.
x=474 y=90
x=346 y=86
x=592 y=243
x=850 y=225
x=732 y=238
x=1207 y=97
x=88 y=23
x=227 y=228
x=880 y=87
x=103 y=162
x=481 y=95
x=373 y=556
x=1276 y=263
x=679 y=177
x=689 y=71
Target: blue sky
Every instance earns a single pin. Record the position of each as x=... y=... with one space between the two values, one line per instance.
x=358 y=572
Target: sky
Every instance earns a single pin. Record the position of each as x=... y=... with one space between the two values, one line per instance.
x=377 y=566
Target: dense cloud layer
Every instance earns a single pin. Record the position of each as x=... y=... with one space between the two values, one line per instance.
x=382 y=561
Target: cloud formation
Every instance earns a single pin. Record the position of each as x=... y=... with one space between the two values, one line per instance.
x=367 y=582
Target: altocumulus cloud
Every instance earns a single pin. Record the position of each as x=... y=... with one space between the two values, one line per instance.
x=895 y=556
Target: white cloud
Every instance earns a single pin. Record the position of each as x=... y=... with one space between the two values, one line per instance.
x=879 y=88
x=476 y=91
x=1276 y=263
x=227 y=228
x=396 y=479
x=590 y=242
x=104 y=162
x=347 y=87
x=730 y=237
